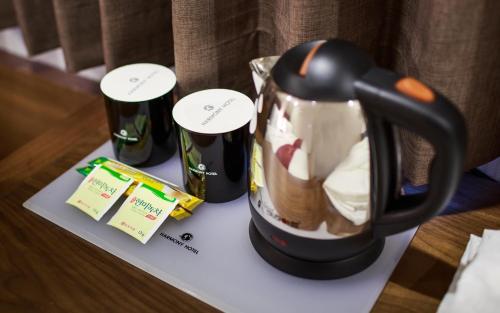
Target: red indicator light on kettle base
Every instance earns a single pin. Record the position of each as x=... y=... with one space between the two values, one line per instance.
x=279 y=241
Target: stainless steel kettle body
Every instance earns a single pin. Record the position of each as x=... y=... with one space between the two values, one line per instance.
x=325 y=174
x=310 y=170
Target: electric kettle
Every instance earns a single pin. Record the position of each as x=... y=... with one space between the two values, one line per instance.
x=324 y=180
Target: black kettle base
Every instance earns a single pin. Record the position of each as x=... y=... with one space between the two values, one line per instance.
x=310 y=269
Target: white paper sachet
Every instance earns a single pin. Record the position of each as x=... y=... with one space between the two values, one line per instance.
x=476 y=285
x=143 y=212
x=99 y=191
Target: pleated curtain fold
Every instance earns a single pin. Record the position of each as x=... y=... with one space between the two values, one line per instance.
x=79 y=28
x=450 y=45
x=37 y=22
x=7 y=14
x=136 y=31
x=453 y=46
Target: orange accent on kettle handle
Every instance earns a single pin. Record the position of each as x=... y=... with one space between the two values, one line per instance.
x=415 y=89
x=305 y=64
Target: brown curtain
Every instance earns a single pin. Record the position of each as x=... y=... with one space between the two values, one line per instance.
x=37 y=23
x=453 y=46
x=7 y=14
x=214 y=40
x=79 y=28
x=450 y=45
x=136 y=31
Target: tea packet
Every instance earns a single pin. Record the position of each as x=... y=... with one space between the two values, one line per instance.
x=143 y=212
x=187 y=201
x=178 y=213
x=99 y=191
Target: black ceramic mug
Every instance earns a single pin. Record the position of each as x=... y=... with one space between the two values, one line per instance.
x=139 y=103
x=213 y=127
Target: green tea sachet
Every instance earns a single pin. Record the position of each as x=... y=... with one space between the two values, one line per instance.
x=187 y=203
x=99 y=191
x=143 y=212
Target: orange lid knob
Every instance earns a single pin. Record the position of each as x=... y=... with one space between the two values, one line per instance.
x=305 y=64
x=415 y=89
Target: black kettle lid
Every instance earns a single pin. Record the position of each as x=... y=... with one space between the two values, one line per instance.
x=322 y=70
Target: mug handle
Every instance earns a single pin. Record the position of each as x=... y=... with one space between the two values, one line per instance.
x=392 y=100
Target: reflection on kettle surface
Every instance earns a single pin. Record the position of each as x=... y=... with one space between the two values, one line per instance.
x=348 y=186
x=310 y=166
x=191 y=159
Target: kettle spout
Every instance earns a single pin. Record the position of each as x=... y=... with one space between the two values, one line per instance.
x=261 y=68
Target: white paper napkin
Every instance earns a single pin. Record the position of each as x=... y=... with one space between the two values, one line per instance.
x=348 y=186
x=476 y=284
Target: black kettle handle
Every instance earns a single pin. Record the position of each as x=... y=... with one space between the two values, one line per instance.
x=390 y=99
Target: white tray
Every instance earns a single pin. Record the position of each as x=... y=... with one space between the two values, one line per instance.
x=221 y=267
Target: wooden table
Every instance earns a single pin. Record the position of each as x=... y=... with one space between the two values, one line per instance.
x=44 y=268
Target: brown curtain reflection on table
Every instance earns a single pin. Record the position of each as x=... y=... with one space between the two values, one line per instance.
x=451 y=45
